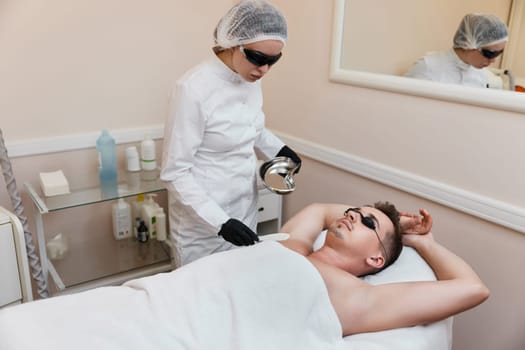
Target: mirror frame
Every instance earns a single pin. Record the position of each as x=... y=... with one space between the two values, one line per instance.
x=496 y=99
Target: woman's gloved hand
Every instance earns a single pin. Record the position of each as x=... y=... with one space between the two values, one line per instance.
x=288 y=152
x=237 y=233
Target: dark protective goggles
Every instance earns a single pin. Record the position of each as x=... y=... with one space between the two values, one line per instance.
x=490 y=54
x=258 y=58
x=368 y=222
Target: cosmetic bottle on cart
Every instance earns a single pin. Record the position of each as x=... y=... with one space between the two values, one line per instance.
x=133 y=168
x=142 y=232
x=136 y=212
x=161 y=224
x=148 y=154
x=122 y=223
x=107 y=171
x=149 y=209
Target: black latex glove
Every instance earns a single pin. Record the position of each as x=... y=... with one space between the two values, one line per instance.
x=288 y=152
x=237 y=233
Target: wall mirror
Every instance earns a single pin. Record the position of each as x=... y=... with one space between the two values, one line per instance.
x=373 y=43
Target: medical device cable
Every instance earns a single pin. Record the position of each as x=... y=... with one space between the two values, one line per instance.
x=34 y=261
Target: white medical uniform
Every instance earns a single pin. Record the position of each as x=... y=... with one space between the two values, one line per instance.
x=447 y=67
x=209 y=162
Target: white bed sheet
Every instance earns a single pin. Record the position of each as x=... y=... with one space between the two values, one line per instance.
x=257 y=298
x=182 y=310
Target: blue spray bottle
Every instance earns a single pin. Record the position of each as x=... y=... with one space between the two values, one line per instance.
x=107 y=172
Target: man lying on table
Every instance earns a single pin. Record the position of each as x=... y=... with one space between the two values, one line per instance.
x=268 y=296
x=361 y=241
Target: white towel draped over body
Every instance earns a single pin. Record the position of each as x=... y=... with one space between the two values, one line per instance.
x=260 y=297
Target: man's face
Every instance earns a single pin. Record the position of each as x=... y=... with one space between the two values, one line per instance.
x=353 y=236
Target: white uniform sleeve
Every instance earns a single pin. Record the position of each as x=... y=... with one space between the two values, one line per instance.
x=182 y=137
x=267 y=143
x=420 y=70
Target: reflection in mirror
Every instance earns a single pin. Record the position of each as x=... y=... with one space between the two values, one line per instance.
x=374 y=44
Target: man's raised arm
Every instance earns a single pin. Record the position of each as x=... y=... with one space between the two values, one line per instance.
x=305 y=226
x=405 y=304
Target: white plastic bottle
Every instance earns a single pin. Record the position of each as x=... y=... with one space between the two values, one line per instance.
x=133 y=168
x=148 y=154
x=149 y=208
x=132 y=159
x=122 y=224
x=161 y=224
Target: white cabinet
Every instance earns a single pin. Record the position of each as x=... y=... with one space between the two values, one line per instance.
x=269 y=209
x=14 y=272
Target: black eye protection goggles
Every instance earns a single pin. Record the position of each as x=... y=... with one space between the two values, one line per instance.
x=258 y=58
x=490 y=54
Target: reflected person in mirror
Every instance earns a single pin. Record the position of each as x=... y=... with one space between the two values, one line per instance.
x=479 y=40
x=214 y=127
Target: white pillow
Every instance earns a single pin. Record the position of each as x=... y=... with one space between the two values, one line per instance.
x=436 y=336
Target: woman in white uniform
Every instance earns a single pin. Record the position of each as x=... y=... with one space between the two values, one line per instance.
x=478 y=41
x=215 y=126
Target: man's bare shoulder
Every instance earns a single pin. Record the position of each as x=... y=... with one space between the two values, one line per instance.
x=335 y=277
x=327 y=270
x=346 y=291
x=299 y=246
x=347 y=294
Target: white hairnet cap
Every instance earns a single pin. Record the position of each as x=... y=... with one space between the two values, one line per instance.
x=250 y=21
x=479 y=30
